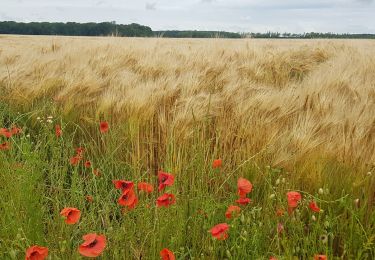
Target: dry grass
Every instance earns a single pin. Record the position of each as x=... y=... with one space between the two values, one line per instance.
x=286 y=99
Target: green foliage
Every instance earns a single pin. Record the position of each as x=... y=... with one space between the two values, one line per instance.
x=76 y=29
x=137 y=30
x=37 y=181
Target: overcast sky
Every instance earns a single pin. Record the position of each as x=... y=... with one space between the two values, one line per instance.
x=354 y=16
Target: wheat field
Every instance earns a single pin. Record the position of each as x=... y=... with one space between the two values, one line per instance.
x=286 y=98
x=289 y=115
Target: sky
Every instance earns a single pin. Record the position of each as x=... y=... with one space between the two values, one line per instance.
x=295 y=16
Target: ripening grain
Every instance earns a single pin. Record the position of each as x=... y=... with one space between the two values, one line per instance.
x=281 y=98
x=201 y=149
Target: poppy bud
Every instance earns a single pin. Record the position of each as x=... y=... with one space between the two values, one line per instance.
x=13 y=254
x=242 y=218
x=63 y=246
x=357 y=203
x=313 y=218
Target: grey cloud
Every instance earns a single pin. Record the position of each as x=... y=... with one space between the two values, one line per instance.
x=151 y=6
x=365 y=1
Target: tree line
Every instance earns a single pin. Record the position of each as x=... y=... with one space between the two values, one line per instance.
x=137 y=30
x=76 y=29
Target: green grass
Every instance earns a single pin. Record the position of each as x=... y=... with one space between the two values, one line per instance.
x=37 y=181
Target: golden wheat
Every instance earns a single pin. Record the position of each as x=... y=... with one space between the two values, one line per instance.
x=283 y=98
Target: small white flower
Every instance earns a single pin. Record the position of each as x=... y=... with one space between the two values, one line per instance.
x=277 y=181
x=38 y=118
x=313 y=218
x=283 y=180
x=49 y=117
x=321 y=191
x=369 y=174
x=272 y=196
x=49 y=121
x=28 y=135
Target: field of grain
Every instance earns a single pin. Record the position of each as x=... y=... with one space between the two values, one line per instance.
x=287 y=115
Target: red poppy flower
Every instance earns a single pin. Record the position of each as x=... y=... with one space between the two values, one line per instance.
x=279 y=212
x=58 y=130
x=2 y=131
x=294 y=198
x=167 y=254
x=123 y=185
x=128 y=198
x=165 y=179
x=320 y=257
x=273 y=258
x=96 y=172
x=232 y=209
x=4 y=146
x=132 y=205
x=36 y=253
x=75 y=160
x=217 y=163
x=244 y=187
x=15 y=130
x=243 y=201
x=87 y=164
x=5 y=132
x=80 y=151
x=89 y=198
x=72 y=215
x=166 y=200
x=93 y=246
x=104 y=127
x=144 y=186
x=220 y=231
x=314 y=207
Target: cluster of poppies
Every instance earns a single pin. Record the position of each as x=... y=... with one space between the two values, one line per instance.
x=7 y=134
x=244 y=187
x=94 y=244
x=129 y=199
x=294 y=198
x=78 y=157
x=128 y=196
